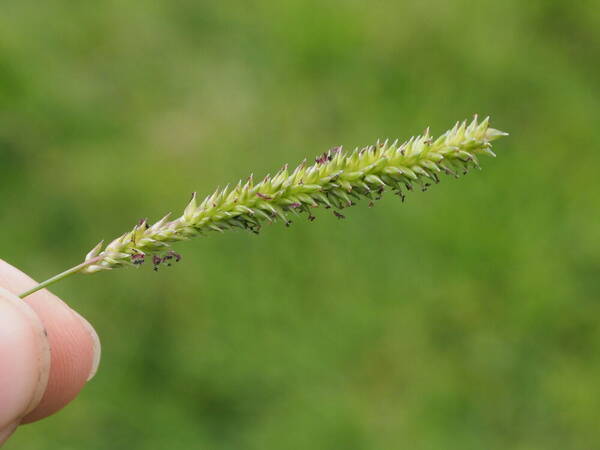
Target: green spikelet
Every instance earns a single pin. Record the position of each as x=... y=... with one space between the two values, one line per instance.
x=336 y=180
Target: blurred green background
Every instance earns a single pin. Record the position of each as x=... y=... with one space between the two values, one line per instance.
x=466 y=318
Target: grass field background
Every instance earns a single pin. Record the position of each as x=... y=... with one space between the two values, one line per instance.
x=466 y=318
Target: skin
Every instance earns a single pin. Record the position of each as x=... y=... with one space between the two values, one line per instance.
x=48 y=352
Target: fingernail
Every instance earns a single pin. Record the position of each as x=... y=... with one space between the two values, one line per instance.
x=97 y=347
x=6 y=432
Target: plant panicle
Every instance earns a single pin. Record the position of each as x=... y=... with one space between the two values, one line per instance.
x=335 y=180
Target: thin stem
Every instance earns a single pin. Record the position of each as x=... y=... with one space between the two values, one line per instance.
x=60 y=276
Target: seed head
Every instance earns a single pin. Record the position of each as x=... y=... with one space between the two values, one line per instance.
x=335 y=180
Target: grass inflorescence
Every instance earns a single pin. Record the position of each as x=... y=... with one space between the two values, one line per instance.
x=335 y=180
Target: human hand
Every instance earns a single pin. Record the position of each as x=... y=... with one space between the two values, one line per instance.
x=47 y=352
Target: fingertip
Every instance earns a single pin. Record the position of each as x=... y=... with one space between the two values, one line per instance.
x=74 y=345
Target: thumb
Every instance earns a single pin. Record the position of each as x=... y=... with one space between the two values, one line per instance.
x=24 y=361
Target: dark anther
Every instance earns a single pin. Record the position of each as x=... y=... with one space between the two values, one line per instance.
x=311 y=218
x=138 y=258
x=288 y=223
x=172 y=255
x=156 y=260
x=322 y=159
x=338 y=215
x=371 y=204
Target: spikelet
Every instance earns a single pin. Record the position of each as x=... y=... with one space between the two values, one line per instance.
x=336 y=180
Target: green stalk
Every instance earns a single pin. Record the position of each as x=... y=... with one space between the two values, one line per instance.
x=336 y=180
x=60 y=276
